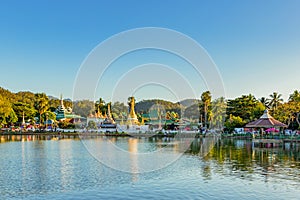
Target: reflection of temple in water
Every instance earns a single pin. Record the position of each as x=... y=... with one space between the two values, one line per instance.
x=133 y=156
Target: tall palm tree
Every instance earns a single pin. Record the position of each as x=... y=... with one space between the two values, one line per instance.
x=41 y=104
x=206 y=100
x=275 y=101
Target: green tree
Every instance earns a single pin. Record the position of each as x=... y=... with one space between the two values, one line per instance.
x=275 y=101
x=92 y=125
x=206 y=101
x=100 y=107
x=48 y=115
x=289 y=114
x=41 y=104
x=294 y=101
x=27 y=109
x=83 y=107
x=265 y=102
x=63 y=124
x=234 y=122
x=7 y=114
x=245 y=107
x=119 y=108
x=27 y=98
x=295 y=96
x=218 y=113
x=12 y=117
x=53 y=104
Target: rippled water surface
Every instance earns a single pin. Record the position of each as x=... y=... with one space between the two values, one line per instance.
x=31 y=168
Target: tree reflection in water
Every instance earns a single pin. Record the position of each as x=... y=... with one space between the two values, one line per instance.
x=236 y=157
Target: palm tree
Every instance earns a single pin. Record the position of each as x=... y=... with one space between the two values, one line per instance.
x=295 y=96
x=275 y=101
x=265 y=102
x=218 y=113
x=100 y=107
x=41 y=104
x=206 y=99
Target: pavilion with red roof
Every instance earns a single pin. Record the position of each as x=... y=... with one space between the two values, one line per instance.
x=265 y=121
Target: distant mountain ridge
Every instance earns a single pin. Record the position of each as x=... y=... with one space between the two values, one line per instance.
x=189 y=102
x=55 y=98
x=144 y=105
x=140 y=105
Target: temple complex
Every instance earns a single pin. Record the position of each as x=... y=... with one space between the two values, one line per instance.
x=108 y=122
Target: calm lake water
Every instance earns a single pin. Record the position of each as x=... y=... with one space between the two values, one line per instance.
x=32 y=168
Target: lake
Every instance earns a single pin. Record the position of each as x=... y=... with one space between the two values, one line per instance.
x=33 y=167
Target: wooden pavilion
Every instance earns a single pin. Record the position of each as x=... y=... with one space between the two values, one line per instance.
x=266 y=121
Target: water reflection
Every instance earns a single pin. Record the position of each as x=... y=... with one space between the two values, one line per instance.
x=133 y=150
x=38 y=165
x=27 y=138
x=240 y=157
x=65 y=152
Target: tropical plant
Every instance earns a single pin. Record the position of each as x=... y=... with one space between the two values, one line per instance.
x=289 y=113
x=100 y=107
x=218 y=113
x=92 y=125
x=48 y=115
x=245 y=107
x=275 y=101
x=41 y=104
x=206 y=101
x=24 y=109
x=295 y=96
x=118 y=108
x=83 y=107
x=265 y=102
x=234 y=122
x=7 y=114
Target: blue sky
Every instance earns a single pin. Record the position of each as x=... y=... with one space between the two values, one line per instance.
x=255 y=44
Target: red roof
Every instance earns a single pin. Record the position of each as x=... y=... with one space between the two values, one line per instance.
x=265 y=121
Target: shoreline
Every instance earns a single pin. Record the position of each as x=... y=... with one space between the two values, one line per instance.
x=149 y=134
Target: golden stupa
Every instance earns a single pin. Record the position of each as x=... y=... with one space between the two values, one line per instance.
x=132 y=117
x=109 y=115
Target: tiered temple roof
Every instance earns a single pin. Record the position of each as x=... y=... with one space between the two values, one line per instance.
x=63 y=113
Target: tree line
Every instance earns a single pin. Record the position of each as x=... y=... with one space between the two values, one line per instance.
x=218 y=113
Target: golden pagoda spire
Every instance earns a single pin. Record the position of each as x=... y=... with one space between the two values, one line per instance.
x=132 y=118
x=132 y=104
x=109 y=111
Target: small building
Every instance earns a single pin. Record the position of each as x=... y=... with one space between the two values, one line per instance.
x=266 y=121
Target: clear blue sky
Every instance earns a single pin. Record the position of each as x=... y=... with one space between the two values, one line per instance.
x=255 y=44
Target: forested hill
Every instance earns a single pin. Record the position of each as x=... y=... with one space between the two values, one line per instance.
x=144 y=105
